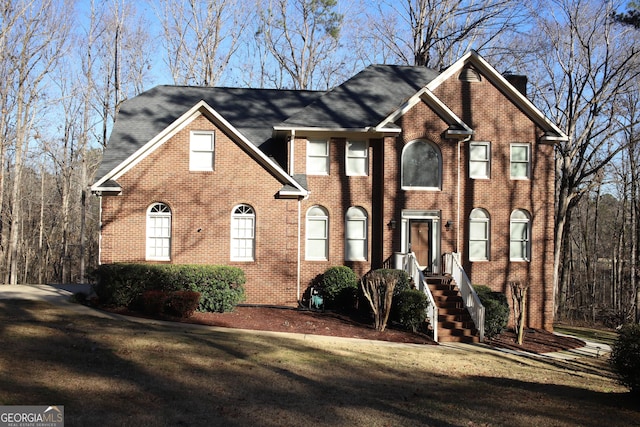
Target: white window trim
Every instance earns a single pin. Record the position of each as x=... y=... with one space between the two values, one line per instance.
x=310 y=157
x=235 y=216
x=487 y=161
x=325 y=239
x=195 y=152
x=364 y=240
x=527 y=221
x=528 y=162
x=153 y=215
x=486 y=221
x=365 y=157
x=440 y=165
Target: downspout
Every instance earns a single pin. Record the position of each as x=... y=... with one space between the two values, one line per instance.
x=299 y=256
x=100 y=228
x=458 y=202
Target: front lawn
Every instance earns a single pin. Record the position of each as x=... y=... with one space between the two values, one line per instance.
x=115 y=372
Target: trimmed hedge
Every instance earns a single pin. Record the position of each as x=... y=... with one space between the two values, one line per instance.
x=496 y=310
x=410 y=306
x=339 y=287
x=176 y=303
x=625 y=357
x=121 y=285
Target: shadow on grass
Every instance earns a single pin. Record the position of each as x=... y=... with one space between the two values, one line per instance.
x=120 y=373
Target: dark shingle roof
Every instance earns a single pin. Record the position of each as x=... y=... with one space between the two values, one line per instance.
x=364 y=100
x=252 y=111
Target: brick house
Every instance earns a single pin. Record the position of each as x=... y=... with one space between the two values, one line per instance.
x=285 y=184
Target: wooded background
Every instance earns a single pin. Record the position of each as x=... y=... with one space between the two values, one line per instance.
x=66 y=67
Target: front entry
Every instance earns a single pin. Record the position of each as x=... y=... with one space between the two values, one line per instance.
x=420 y=239
x=421 y=235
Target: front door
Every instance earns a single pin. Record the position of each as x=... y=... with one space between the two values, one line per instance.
x=420 y=241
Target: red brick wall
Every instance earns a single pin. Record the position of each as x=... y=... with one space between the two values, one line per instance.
x=204 y=200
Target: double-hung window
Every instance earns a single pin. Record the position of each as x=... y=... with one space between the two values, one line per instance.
x=317 y=157
x=479 y=160
x=356 y=235
x=520 y=161
x=158 y=232
x=243 y=226
x=201 y=154
x=479 y=235
x=317 y=242
x=520 y=236
x=357 y=159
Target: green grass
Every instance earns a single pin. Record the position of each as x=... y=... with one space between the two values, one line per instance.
x=120 y=373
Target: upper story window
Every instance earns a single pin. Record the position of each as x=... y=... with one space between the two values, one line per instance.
x=479 y=235
x=318 y=157
x=479 y=160
x=356 y=235
x=421 y=166
x=201 y=146
x=520 y=236
x=243 y=227
x=520 y=161
x=357 y=158
x=317 y=242
x=158 y=232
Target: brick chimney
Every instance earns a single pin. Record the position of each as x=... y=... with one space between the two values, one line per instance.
x=517 y=81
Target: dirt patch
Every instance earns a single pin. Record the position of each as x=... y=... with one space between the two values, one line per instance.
x=338 y=325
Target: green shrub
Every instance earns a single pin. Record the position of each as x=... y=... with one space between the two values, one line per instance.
x=411 y=308
x=625 y=356
x=496 y=310
x=182 y=304
x=339 y=287
x=121 y=285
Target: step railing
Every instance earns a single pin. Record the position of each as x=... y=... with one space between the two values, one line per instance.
x=469 y=295
x=410 y=265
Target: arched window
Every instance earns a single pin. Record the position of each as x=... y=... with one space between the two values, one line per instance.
x=520 y=236
x=356 y=235
x=158 y=232
x=421 y=166
x=317 y=247
x=243 y=236
x=479 y=235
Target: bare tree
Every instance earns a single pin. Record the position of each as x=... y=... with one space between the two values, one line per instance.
x=435 y=33
x=201 y=37
x=585 y=65
x=303 y=38
x=34 y=43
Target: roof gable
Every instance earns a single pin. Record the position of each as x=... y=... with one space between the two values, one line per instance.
x=201 y=108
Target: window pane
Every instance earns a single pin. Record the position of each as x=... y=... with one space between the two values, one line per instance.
x=479 y=169
x=357 y=166
x=519 y=153
x=356 y=229
x=316 y=249
x=202 y=141
x=478 y=250
x=317 y=148
x=479 y=152
x=478 y=230
x=518 y=250
x=519 y=231
x=356 y=250
x=316 y=229
x=421 y=165
x=357 y=148
x=519 y=170
x=201 y=161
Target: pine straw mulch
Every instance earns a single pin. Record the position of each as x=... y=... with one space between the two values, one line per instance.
x=302 y=321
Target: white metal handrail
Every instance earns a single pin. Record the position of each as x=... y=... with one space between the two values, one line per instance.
x=469 y=295
x=410 y=265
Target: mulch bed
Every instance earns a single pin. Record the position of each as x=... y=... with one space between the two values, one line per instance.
x=328 y=323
